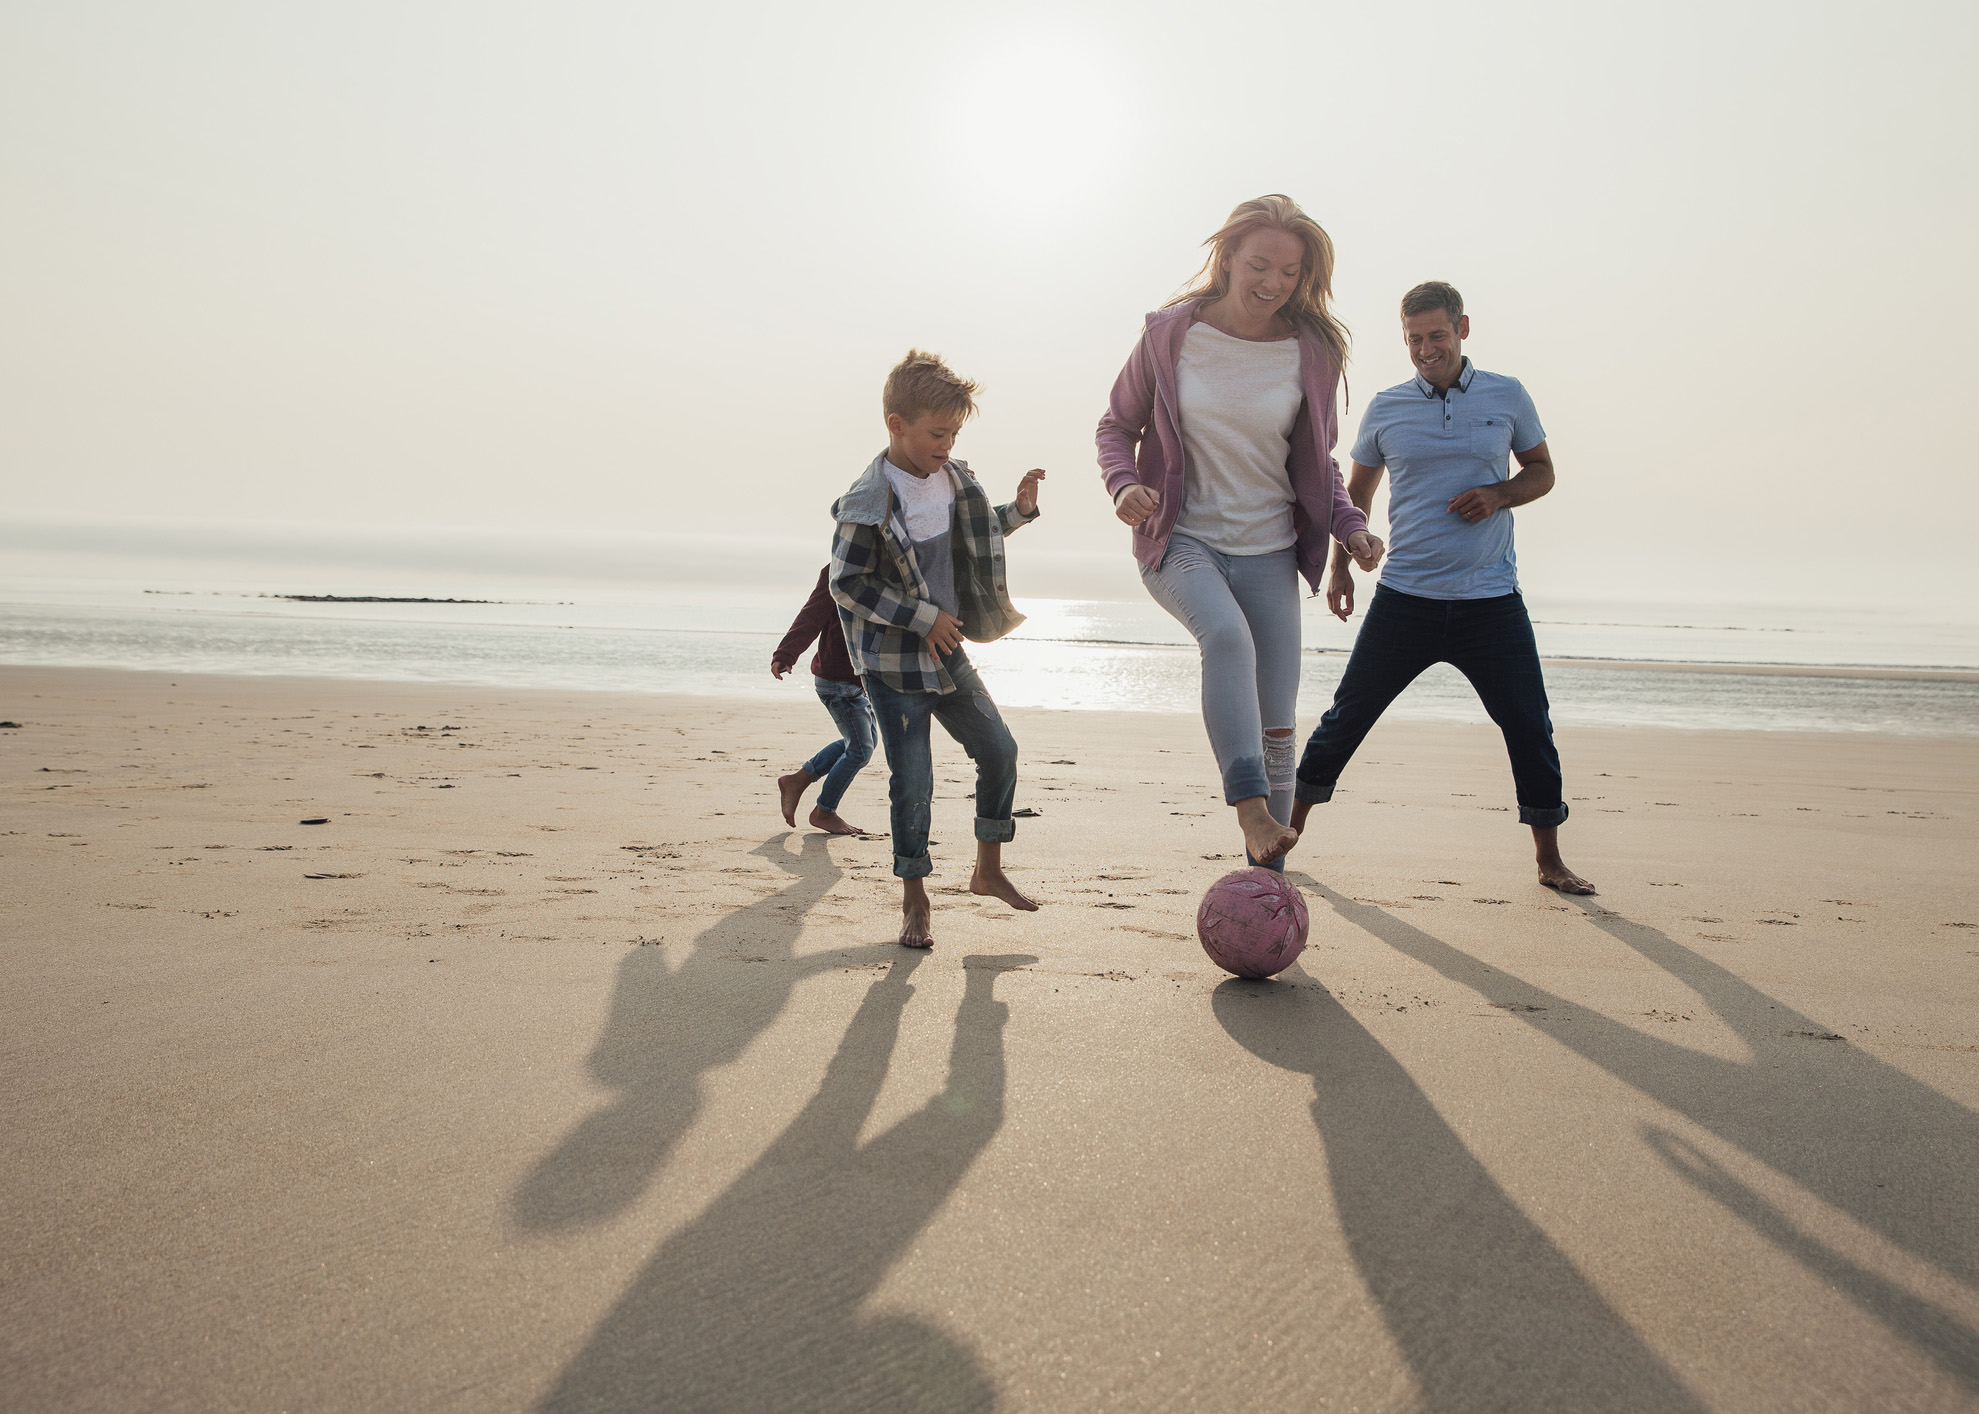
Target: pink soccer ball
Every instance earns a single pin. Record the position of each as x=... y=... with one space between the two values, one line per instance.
x=1252 y=922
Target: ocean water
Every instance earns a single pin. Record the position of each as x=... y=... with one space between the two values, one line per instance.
x=1072 y=654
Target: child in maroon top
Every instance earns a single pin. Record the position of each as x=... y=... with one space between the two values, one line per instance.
x=839 y=689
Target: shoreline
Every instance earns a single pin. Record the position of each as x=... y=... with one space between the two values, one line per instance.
x=770 y=700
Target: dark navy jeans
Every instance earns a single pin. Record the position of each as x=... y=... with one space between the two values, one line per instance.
x=1490 y=642
x=968 y=715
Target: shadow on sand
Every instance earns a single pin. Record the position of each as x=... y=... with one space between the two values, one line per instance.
x=755 y=1304
x=1894 y=1154
x=1489 y=1314
x=666 y=1029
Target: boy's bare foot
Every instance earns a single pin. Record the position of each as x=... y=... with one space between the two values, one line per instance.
x=992 y=882
x=1264 y=837
x=1300 y=809
x=831 y=822
x=916 y=917
x=792 y=788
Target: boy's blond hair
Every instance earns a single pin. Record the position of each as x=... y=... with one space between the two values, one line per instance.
x=921 y=383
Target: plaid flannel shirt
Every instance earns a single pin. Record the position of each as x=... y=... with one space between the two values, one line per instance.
x=883 y=599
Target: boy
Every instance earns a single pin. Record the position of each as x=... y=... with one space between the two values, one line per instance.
x=838 y=688
x=916 y=567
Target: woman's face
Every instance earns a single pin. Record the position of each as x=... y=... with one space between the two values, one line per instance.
x=1265 y=270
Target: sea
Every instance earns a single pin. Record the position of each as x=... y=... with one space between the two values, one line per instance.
x=1777 y=668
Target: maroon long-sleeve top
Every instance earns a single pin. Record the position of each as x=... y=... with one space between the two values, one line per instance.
x=818 y=619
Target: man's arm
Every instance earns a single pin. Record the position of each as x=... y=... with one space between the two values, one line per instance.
x=1533 y=479
x=1361 y=484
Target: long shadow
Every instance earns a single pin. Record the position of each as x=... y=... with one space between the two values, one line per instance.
x=1893 y=1153
x=1489 y=1314
x=756 y=1304
x=666 y=1029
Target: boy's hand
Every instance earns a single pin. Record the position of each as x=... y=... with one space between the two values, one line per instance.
x=946 y=636
x=777 y=670
x=1340 y=591
x=1027 y=491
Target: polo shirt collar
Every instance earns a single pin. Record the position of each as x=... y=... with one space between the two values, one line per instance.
x=1462 y=385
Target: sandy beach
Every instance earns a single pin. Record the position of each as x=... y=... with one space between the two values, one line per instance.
x=553 y=1071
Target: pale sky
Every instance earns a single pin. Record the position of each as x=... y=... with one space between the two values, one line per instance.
x=640 y=269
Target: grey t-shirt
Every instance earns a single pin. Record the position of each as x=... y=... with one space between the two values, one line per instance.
x=927 y=506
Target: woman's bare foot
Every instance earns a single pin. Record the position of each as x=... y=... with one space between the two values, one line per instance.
x=831 y=822
x=916 y=917
x=994 y=883
x=792 y=788
x=1264 y=837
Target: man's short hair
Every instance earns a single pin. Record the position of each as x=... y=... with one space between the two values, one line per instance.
x=921 y=383
x=1433 y=294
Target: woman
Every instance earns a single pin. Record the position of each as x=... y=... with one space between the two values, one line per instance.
x=1217 y=449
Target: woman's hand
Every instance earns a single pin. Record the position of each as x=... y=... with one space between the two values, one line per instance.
x=1136 y=503
x=1027 y=492
x=1366 y=549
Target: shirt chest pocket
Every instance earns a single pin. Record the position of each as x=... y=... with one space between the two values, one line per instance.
x=1491 y=438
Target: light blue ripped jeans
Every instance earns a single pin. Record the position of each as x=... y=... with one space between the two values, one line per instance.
x=1243 y=611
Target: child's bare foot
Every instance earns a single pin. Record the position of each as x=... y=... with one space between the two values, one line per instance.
x=1300 y=809
x=992 y=882
x=792 y=788
x=1264 y=837
x=916 y=917
x=831 y=822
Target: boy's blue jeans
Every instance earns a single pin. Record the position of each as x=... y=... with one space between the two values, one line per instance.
x=968 y=715
x=840 y=761
x=1490 y=642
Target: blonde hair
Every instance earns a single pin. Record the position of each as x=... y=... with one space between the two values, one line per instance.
x=1308 y=304
x=921 y=383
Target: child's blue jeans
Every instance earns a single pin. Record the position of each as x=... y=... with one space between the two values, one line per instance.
x=968 y=715
x=840 y=761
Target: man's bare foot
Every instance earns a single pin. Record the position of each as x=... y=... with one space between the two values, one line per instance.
x=792 y=788
x=1264 y=837
x=1300 y=809
x=1556 y=875
x=831 y=822
x=916 y=917
x=992 y=882
x=1553 y=870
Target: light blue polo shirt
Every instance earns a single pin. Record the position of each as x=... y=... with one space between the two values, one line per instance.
x=1437 y=446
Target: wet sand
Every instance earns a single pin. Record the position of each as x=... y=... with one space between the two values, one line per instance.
x=554 y=1072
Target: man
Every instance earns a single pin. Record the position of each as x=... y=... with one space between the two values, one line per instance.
x=1450 y=592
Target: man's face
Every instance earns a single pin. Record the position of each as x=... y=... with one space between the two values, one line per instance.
x=1436 y=344
x=923 y=445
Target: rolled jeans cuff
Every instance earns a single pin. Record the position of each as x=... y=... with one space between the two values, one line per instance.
x=1545 y=819
x=1303 y=789
x=990 y=831
x=912 y=866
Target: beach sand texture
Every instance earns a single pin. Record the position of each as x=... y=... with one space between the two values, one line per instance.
x=554 y=1072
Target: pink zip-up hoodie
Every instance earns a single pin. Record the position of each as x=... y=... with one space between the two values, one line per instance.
x=1140 y=440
